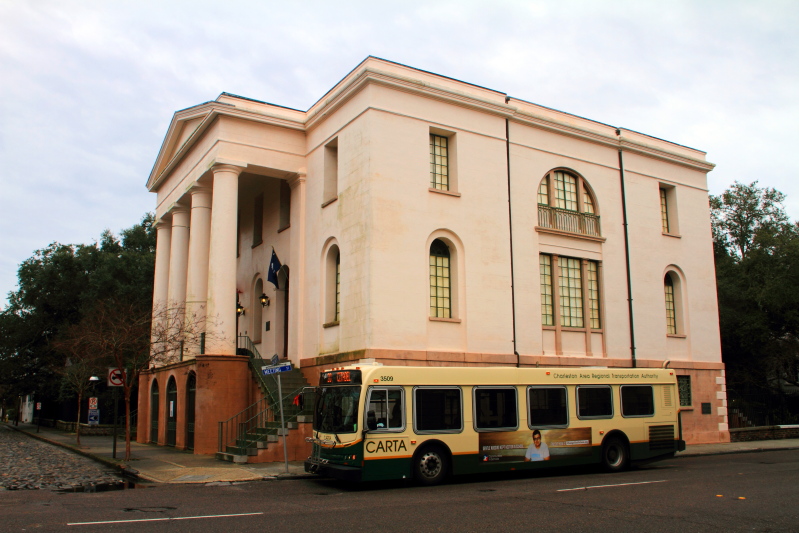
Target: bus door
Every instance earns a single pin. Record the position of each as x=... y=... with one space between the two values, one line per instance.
x=385 y=416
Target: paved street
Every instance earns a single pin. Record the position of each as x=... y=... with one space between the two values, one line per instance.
x=734 y=492
x=26 y=463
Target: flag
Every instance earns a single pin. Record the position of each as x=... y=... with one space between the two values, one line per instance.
x=274 y=266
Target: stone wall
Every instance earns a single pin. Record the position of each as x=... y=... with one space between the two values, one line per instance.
x=764 y=433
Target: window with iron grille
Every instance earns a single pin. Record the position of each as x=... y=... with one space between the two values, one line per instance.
x=440 y=280
x=439 y=162
x=684 y=388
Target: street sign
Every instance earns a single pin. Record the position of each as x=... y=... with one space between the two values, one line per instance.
x=92 y=403
x=116 y=377
x=94 y=416
x=38 y=406
x=283 y=367
x=275 y=360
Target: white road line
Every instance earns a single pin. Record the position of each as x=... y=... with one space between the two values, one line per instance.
x=616 y=485
x=161 y=519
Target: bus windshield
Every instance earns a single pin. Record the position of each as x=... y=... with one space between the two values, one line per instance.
x=337 y=410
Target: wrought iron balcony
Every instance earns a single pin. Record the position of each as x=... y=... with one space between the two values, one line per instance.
x=568 y=221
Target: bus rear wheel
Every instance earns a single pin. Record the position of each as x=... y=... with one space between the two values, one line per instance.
x=430 y=465
x=615 y=455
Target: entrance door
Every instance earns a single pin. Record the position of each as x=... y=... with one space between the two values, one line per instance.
x=154 y=412
x=191 y=391
x=171 y=412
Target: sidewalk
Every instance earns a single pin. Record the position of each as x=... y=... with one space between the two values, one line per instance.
x=164 y=464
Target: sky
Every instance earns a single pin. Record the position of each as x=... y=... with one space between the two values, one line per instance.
x=88 y=87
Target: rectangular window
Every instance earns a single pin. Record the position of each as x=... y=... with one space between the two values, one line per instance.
x=437 y=410
x=387 y=407
x=637 y=400
x=594 y=401
x=547 y=317
x=664 y=211
x=684 y=387
x=571 y=293
x=331 y=172
x=592 y=269
x=547 y=407
x=258 y=220
x=565 y=191
x=439 y=162
x=495 y=408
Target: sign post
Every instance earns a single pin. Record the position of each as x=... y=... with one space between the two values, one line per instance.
x=116 y=378
x=39 y=412
x=278 y=369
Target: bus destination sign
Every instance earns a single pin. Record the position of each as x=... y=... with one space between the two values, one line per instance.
x=340 y=377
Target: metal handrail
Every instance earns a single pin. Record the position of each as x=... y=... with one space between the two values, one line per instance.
x=567 y=220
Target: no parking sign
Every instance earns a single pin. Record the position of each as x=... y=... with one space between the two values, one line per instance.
x=116 y=377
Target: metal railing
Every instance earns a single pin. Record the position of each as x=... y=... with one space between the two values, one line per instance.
x=758 y=410
x=570 y=221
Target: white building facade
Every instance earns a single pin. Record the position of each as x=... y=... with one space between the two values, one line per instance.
x=421 y=220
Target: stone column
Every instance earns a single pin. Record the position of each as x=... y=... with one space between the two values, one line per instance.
x=163 y=245
x=221 y=315
x=297 y=265
x=197 y=277
x=179 y=256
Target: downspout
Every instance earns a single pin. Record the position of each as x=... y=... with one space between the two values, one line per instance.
x=510 y=231
x=627 y=252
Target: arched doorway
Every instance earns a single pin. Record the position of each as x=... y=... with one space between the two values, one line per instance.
x=191 y=392
x=171 y=411
x=154 y=412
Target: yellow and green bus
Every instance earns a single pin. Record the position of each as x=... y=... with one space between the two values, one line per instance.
x=374 y=422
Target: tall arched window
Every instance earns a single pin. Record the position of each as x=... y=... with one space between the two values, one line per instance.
x=154 y=409
x=566 y=203
x=671 y=307
x=332 y=289
x=440 y=280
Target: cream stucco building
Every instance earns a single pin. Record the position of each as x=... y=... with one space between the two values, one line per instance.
x=421 y=220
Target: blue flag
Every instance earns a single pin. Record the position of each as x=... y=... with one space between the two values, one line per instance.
x=274 y=266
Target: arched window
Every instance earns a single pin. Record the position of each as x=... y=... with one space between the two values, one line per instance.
x=440 y=280
x=671 y=305
x=566 y=203
x=154 y=408
x=332 y=294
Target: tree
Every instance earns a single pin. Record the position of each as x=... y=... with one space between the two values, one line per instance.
x=757 y=270
x=132 y=336
x=58 y=286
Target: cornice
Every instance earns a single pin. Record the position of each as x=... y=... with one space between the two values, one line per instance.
x=650 y=151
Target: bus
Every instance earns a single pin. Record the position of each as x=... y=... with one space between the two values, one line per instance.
x=373 y=422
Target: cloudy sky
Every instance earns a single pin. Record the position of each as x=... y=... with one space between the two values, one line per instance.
x=88 y=87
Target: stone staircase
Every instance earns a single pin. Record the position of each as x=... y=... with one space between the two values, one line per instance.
x=255 y=434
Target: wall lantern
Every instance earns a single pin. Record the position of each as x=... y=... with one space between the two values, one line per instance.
x=264 y=299
x=239 y=308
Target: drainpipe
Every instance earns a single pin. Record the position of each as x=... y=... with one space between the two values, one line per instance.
x=510 y=230
x=627 y=251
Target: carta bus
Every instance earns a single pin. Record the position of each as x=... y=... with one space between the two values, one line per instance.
x=374 y=422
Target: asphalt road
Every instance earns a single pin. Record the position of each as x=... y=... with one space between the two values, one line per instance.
x=753 y=492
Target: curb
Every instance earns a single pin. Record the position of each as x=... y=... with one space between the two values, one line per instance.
x=121 y=467
x=730 y=452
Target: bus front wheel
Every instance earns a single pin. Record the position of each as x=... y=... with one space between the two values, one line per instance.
x=615 y=455
x=430 y=465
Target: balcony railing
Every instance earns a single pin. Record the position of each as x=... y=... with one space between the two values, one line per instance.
x=569 y=221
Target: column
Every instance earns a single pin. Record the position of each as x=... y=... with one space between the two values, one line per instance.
x=179 y=256
x=197 y=277
x=221 y=314
x=162 y=247
x=297 y=262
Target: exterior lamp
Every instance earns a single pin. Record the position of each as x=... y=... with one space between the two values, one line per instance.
x=264 y=299
x=239 y=309
x=93 y=380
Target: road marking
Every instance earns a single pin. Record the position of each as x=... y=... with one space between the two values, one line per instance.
x=616 y=485
x=160 y=519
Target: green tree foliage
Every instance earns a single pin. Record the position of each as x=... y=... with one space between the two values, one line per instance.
x=58 y=286
x=757 y=270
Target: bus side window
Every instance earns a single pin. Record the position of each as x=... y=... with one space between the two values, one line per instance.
x=387 y=406
x=547 y=407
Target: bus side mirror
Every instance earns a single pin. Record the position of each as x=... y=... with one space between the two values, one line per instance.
x=371 y=420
